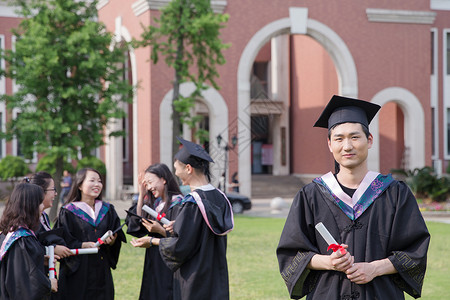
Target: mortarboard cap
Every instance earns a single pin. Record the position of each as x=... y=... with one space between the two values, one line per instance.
x=347 y=110
x=191 y=153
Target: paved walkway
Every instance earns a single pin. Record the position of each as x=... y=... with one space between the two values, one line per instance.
x=262 y=208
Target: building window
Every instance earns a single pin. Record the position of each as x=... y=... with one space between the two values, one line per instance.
x=433 y=139
x=448 y=131
x=448 y=52
x=432 y=53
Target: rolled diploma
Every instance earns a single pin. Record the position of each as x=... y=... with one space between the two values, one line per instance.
x=84 y=251
x=154 y=214
x=104 y=237
x=51 y=261
x=325 y=234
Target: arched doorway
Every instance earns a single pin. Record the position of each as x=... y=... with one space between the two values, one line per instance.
x=414 y=126
x=213 y=106
x=297 y=24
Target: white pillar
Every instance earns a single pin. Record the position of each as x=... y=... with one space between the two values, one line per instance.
x=280 y=78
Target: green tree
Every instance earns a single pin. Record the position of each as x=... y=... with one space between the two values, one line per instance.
x=70 y=79
x=187 y=35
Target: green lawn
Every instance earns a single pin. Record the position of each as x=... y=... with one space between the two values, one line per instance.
x=253 y=267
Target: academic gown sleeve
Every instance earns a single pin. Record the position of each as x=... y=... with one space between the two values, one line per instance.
x=297 y=247
x=134 y=225
x=185 y=243
x=22 y=271
x=409 y=243
x=113 y=251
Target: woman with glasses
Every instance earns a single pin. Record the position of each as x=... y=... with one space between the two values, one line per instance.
x=45 y=235
x=22 y=272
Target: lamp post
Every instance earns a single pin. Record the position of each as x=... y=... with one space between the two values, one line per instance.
x=227 y=147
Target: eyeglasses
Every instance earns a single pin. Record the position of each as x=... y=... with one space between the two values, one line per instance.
x=53 y=189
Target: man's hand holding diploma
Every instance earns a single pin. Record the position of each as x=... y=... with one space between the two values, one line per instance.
x=339 y=260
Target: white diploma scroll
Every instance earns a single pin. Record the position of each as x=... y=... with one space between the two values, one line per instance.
x=51 y=261
x=103 y=238
x=84 y=251
x=325 y=234
x=155 y=215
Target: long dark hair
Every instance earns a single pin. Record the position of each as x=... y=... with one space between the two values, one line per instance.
x=41 y=179
x=22 y=208
x=171 y=187
x=75 y=192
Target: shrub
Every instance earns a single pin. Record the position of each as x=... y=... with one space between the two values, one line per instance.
x=12 y=167
x=426 y=184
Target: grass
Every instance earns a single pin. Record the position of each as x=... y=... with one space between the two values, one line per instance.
x=253 y=266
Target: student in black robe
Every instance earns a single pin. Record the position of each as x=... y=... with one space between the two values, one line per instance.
x=159 y=190
x=86 y=218
x=197 y=251
x=22 y=273
x=374 y=218
x=45 y=234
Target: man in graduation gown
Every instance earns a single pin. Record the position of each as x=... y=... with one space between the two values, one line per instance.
x=197 y=251
x=374 y=218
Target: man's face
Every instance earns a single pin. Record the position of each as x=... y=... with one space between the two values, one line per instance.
x=349 y=145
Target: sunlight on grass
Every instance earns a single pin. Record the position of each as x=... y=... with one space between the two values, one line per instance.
x=253 y=266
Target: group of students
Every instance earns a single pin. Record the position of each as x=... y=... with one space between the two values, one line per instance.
x=187 y=253
x=84 y=218
x=378 y=235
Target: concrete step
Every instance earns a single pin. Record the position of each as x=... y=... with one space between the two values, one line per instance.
x=270 y=186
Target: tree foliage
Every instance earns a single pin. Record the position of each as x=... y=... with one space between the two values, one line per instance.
x=12 y=167
x=187 y=35
x=69 y=78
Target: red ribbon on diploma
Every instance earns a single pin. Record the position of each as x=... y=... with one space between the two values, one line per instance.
x=336 y=247
x=159 y=217
x=99 y=240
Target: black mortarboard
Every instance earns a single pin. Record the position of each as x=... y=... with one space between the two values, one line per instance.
x=347 y=110
x=191 y=153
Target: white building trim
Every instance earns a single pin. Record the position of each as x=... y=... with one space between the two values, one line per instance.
x=440 y=4
x=434 y=94
x=400 y=16
x=113 y=147
x=141 y=6
x=414 y=126
x=218 y=118
x=2 y=66
x=8 y=11
x=339 y=52
x=445 y=92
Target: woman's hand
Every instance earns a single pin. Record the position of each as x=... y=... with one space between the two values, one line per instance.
x=111 y=239
x=169 y=227
x=143 y=242
x=54 y=283
x=154 y=227
x=62 y=251
x=88 y=245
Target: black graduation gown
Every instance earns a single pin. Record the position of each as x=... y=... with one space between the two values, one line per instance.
x=49 y=237
x=157 y=278
x=390 y=227
x=22 y=274
x=88 y=276
x=196 y=254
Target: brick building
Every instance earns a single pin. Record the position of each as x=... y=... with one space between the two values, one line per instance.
x=287 y=58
